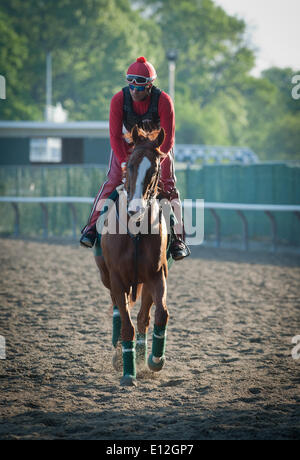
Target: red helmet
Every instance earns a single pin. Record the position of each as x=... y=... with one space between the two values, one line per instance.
x=142 y=68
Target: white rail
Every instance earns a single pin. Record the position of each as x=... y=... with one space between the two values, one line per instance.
x=43 y=201
x=268 y=209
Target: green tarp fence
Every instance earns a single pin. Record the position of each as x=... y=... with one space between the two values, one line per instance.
x=274 y=183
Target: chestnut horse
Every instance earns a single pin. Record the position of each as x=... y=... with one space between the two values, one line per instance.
x=135 y=262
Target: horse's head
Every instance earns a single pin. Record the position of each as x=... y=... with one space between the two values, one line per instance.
x=143 y=169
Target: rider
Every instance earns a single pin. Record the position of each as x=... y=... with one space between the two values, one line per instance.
x=140 y=103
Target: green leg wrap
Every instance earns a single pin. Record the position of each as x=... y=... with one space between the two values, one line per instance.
x=141 y=348
x=159 y=341
x=116 y=326
x=129 y=367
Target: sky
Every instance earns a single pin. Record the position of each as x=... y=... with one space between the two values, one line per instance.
x=272 y=27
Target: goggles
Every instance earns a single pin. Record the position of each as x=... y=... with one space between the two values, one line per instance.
x=139 y=80
x=138 y=88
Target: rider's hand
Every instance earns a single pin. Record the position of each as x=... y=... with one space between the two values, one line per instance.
x=124 y=169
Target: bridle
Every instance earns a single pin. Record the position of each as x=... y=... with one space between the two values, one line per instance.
x=151 y=189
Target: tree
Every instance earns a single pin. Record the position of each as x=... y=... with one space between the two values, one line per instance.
x=92 y=42
x=283 y=139
x=212 y=64
x=282 y=79
x=13 y=53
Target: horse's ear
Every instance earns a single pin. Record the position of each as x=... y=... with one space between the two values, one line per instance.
x=135 y=134
x=160 y=137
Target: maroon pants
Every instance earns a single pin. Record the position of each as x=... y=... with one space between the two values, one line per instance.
x=114 y=179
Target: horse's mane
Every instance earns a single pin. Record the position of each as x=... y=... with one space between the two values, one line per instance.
x=144 y=135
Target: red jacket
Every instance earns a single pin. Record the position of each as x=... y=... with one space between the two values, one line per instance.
x=167 y=121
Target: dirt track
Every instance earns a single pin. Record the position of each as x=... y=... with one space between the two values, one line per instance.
x=229 y=371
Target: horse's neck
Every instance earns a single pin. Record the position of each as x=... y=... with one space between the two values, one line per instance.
x=151 y=220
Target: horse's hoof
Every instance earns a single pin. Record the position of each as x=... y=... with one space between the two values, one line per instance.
x=128 y=381
x=156 y=367
x=117 y=360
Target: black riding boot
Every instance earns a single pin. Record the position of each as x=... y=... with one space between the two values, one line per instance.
x=179 y=249
x=89 y=235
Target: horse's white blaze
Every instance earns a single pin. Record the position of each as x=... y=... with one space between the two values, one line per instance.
x=142 y=171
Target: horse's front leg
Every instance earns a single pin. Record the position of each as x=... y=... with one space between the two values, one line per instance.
x=143 y=320
x=159 y=294
x=120 y=298
x=104 y=275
